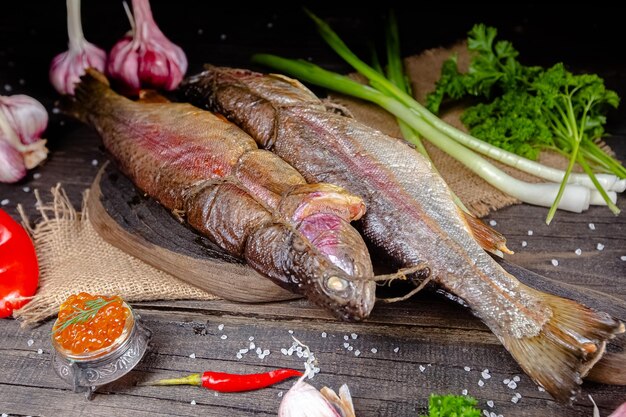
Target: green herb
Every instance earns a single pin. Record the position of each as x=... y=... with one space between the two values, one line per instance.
x=530 y=109
x=81 y=316
x=452 y=406
x=394 y=97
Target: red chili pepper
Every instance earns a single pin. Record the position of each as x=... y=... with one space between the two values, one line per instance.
x=225 y=382
x=19 y=272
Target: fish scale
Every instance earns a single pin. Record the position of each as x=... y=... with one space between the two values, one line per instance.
x=411 y=217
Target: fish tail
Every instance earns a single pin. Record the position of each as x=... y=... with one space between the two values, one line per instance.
x=610 y=369
x=567 y=347
x=87 y=95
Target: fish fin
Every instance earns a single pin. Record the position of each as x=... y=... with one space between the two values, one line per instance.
x=609 y=369
x=566 y=348
x=487 y=237
x=92 y=85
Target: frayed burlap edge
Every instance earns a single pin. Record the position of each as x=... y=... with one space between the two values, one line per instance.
x=64 y=240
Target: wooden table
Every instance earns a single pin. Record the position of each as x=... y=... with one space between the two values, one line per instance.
x=407 y=350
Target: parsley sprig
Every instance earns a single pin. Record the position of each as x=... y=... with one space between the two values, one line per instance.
x=83 y=315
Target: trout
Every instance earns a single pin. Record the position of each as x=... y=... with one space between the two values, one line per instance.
x=412 y=218
x=248 y=201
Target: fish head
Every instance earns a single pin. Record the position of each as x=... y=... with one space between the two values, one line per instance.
x=343 y=287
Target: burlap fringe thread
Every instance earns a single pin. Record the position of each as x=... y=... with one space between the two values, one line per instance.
x=74 y=258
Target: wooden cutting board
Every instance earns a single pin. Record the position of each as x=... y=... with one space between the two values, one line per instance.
x=126 y=218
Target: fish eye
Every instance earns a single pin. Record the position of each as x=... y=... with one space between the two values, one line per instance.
x=336 y=284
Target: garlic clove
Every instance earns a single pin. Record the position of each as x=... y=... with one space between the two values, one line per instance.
x=12 y=168
x=303 y=400
x=26 y=116
x=123 y=65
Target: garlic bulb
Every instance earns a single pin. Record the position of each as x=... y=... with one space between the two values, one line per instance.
x=22 y=121
x=147 y=59
x=303 y=400
x=67 y=67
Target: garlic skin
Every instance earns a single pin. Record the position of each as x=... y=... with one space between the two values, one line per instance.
x=67 y=67
x=303 y=400
x=22 y=121
x=148 y=59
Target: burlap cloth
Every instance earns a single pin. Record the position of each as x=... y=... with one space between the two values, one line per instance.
x=74 y=258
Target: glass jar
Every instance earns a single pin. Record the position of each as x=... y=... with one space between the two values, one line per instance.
x=86 y=371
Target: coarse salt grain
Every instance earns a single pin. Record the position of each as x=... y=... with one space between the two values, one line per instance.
x=4 y=415
x=490 y=403
x=8 y=87
x=374 y=350
x=578 y=252
x=592 y=226
x=283 y=351
x=467 y=368
x=290 y=331
x=223 y=337
x=599 y=246
x=396 y=350
x=192 y=356
x=251 y=346
x=266 y=352
x=216 y=393
x=280 y=394
x=506 y=381
x=555 y=262
x=350 y=348
x=485 y=375
x=346 y=344
x=193 y=402
x=200 y=31
x=422 y=368
x=481 y=382
x=4 y=202
x=324 y=334
x=464 y=392
x=524 y=243
x=357 y=352
x=21 y=81
x=223 y=36
x=346 y=337
x=486 y=413
x=239 y=355
x=623 y=258
x=270 y=25
x=516 y=378
x=251 y=338
x=259 y=351
x=492 y=222
x=492 y=414
x=512 y=385
x=26 y=189
x=354 y=335
x=514 y=400
x=30 y=342
x=244 y=350
x=39 y=351
x=530 y=233
x=518 y=395
x=541 y=389
x=220 y=327
x=56 y=110
x=37 y=175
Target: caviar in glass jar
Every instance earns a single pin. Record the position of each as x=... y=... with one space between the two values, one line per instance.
x=89 y=323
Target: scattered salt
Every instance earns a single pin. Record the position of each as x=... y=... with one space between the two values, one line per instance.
x=223 y=337
x=266 y=352
x=346 y=344
x=516 y=378
x=492 y=222
x=21 y=81
x=26 y=189
x=94 y=162
x=464 y=392
x=200 y=31
x=524 y=243
x=541 y=389
x=354 y=335
x=239 y=355
x=56 y=110
x=251 y=338
x=555 y=262
x=251 y=346
x=578 y=252
x=490 y=403
x=346 y=337
x=514 y=400
x=481 y=382
x=259 y=351
x=506 y=381
x=374 y=350
x=280 y=394
x=324 y=334
x=284 y=351
x=4 y=415
x=4 y=202
x=623 y=258
x=216 y=393
x=8 y=87
x=192 y=356
x=592 y=226
x=599 y=246
x=512 y=385
x=290 y=331
x=467 y=368
x=39 y=351
x=422 y=368
x=220 y=327
x=486 y=413
x=270 y=25
x=350 y=348
x=485 y=374
x=223 y=36
x=492 y=414
x=193 y=402
x=396 y=350
x=30 y=342
x=62 y=123
x=518 y=395
x=530 y=233
x=244 y=350
x=37 y=175
x=357 y=352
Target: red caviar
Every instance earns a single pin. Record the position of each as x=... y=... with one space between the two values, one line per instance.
x=88 y=323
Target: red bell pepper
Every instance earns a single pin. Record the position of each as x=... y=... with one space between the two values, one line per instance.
x=19 y=271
